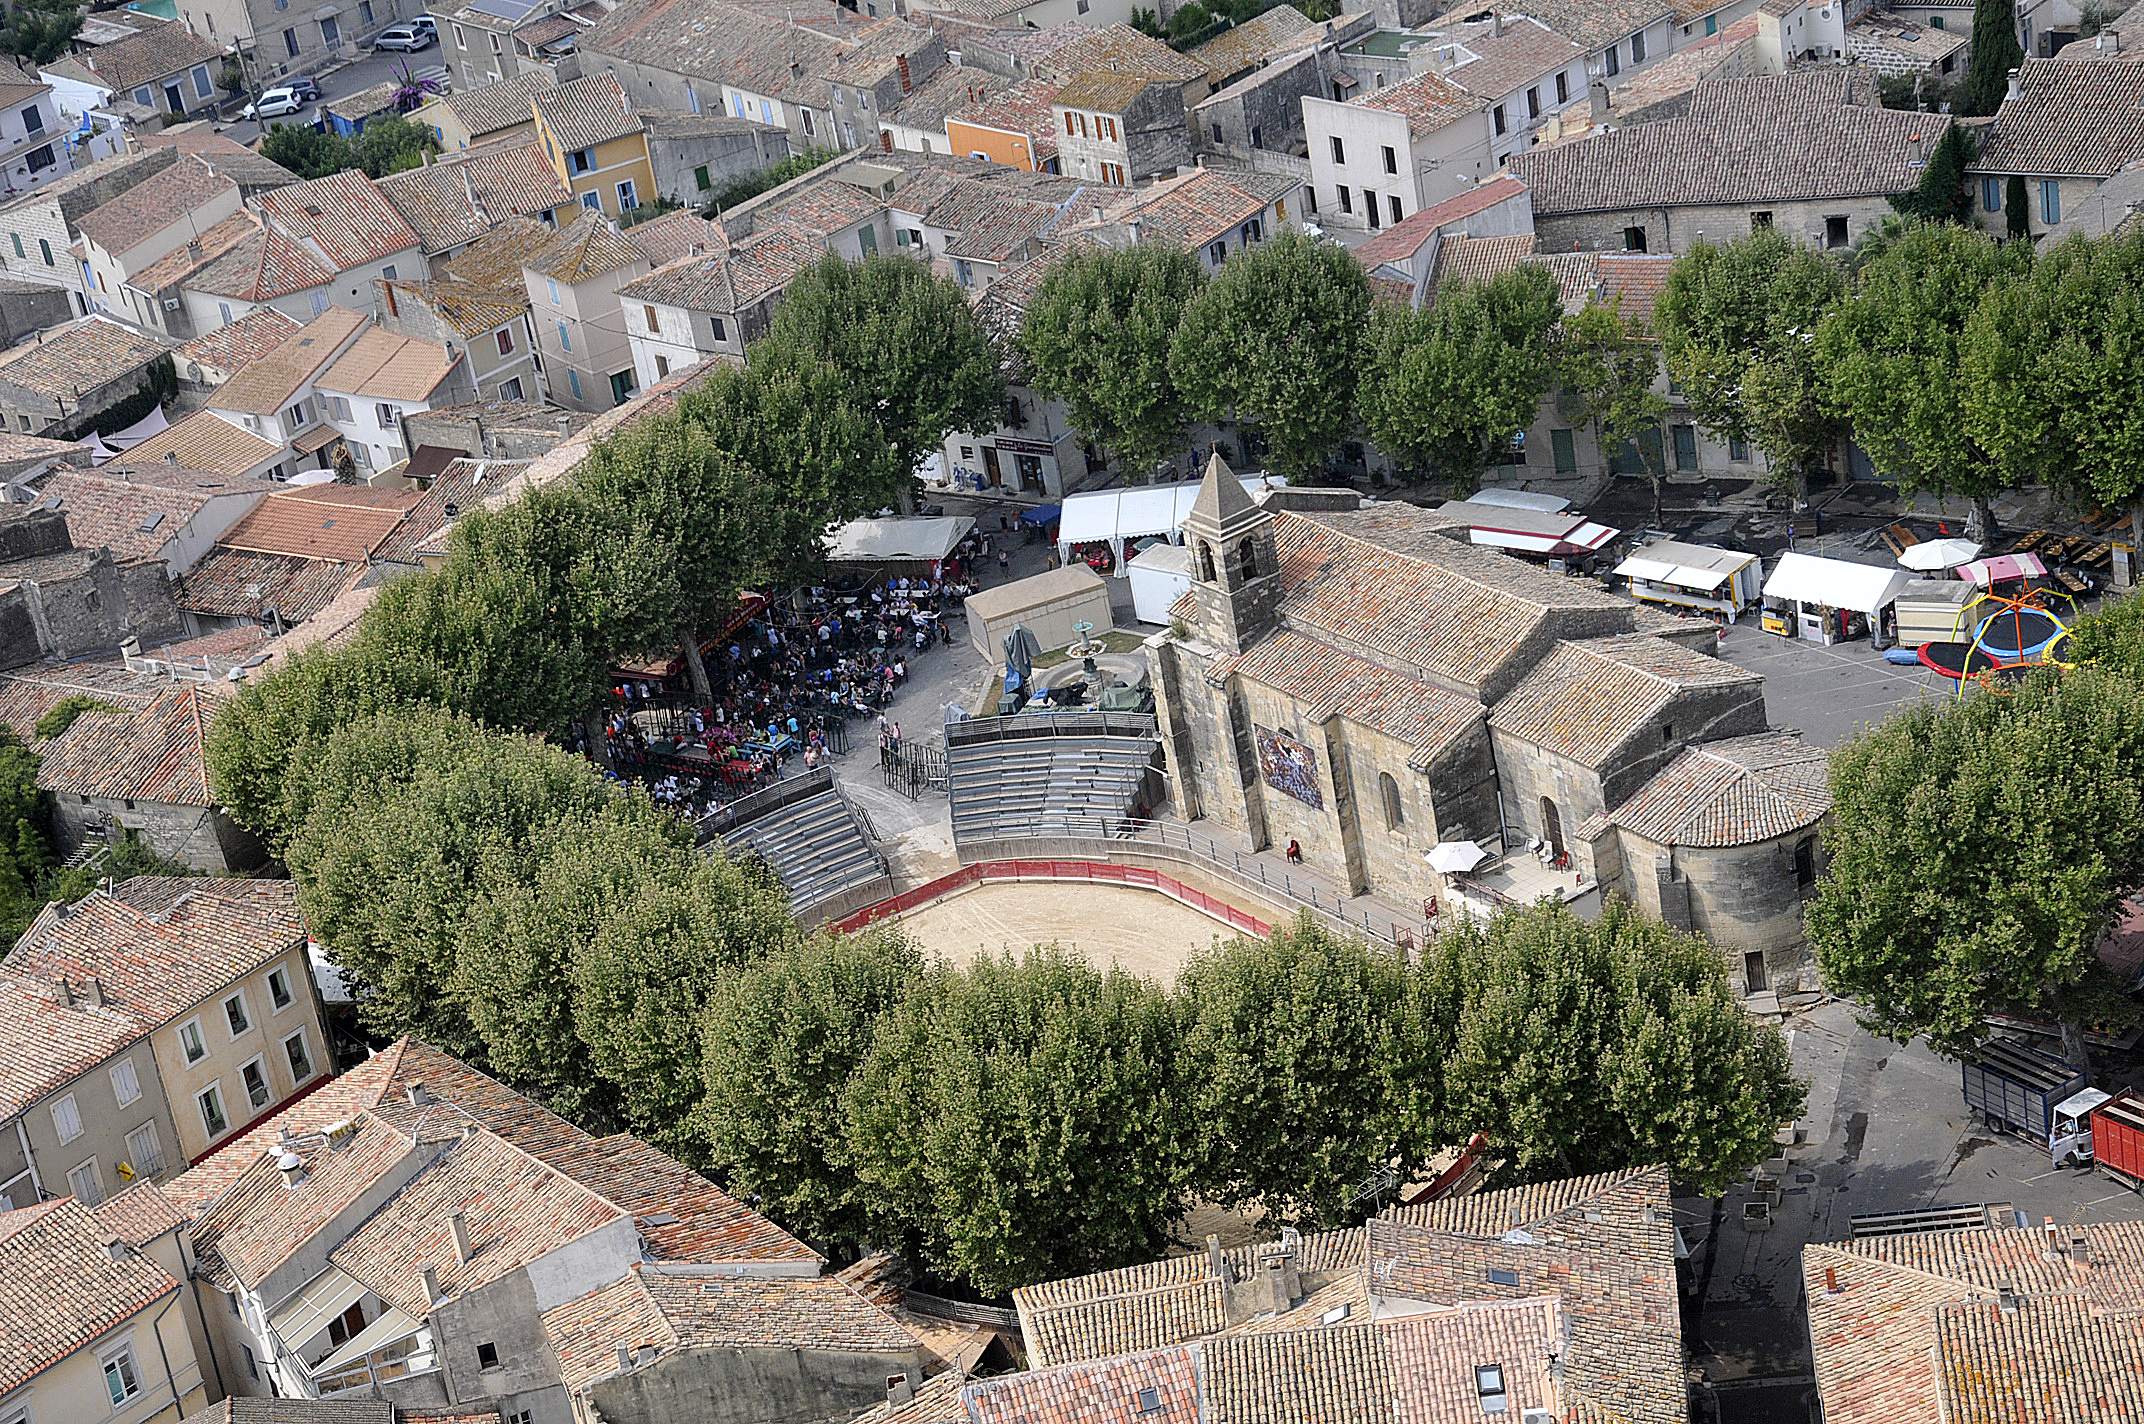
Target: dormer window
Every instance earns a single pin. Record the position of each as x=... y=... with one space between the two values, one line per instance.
x=1149 y=1401
x=1489 y=1387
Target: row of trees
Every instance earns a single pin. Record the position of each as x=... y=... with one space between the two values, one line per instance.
x=1140 y=343
x=1982 y=848
x=1963 y=366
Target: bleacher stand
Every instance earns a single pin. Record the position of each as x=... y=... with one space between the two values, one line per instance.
x=1087 y=773
x=806 y=832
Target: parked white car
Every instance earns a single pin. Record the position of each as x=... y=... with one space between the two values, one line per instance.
x=275 y=103
x=405 y=37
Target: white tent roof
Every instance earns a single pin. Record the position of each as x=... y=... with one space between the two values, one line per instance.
x=1835 y=583
x=1682 y=565
x=1130 y=513
x=863 y=541
x=1521 y=499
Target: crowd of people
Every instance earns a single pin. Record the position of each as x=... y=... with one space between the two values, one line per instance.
x=782 y=688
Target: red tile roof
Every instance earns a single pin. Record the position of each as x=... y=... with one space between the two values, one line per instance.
x=342 y=523
x=343 y=215
x=252 y=336
x=45 y=1045
x=238 y=583
x=60 y=1291
x=153 y=755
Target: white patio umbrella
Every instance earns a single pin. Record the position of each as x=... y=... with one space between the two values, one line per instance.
x=1938 y=554
x=1448 y=857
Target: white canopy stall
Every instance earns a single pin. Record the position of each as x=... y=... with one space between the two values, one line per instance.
x=1827 y=599
x=912 y=547
x=1115 y=517
x=1524 y=530
x=1693 y=576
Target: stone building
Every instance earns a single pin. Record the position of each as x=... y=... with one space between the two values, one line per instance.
x=1361 y=683
x=61 y=601
x=118 y=775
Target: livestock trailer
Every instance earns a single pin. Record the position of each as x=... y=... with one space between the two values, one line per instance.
x=2017 y=1087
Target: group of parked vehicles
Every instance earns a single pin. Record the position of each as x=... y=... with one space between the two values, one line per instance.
x=2021 y=1089
x=294 y=95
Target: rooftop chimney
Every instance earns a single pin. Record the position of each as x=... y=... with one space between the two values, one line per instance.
x=1496 y=24
x=1831 y=1280
x=116 y=1249
x=1597 y=92
x=65 y=993
x=193 y=251
x=419 y=1097
x=432 y=1292
x=292 y=1166
x=2054 y=1244
x=2012 y=92
x=2007 y=1300
x=459 y=1225
x=900 y=63
x=899 y=1389
x=95 y=991
x=1216 y=1261
x=625 y=1357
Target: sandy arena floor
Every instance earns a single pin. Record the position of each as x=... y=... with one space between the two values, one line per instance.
x=1140 y=930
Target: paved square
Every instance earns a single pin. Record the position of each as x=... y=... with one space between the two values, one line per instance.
x=1828 y=693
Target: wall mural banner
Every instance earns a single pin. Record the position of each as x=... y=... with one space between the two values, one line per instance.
x=1289 y=767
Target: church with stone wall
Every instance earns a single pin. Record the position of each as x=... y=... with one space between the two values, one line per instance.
x=1360 y=680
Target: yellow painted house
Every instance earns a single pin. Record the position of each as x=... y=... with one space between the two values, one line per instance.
x=596 y=144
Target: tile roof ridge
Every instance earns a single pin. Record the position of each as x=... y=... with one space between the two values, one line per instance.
x=1966 y=1291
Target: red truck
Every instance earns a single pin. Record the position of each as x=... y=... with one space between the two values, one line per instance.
x=2118 y=1138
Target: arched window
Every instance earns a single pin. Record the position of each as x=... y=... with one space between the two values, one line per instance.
x=1205 y=562
x=1247 y=559
x=1395 y=814
x=1552 y=825
x=1805 y=863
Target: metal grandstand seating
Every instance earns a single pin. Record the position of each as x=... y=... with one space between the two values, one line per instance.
x=1033 y=775
x=804 y=830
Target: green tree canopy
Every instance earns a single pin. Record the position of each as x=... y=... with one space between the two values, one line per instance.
x=1737 y=326
x=63 y=713
x=40 y=31
x=1996 y=51
x=1980 y=849
x=1584 y=1048
x=1275 y=341
x=904 y=339
x=1605 y=368
x=390 y=143
x=1097 y=337
x=1892 y=355
x=306 y=151
x=1298 y=1073
x=1014 y=1119
x=2089 y=320
x=782 y=1039
x=1446 y=387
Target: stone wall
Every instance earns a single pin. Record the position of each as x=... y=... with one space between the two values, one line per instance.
x=1678 y=229
x=1745 y=899
x=1263 y=110
x=750 y=1385
x=198 y=836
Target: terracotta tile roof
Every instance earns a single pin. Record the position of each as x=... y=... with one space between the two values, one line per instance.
x=90 y=353
x=151 y=755
x=60 y=1291
x=224 y=643
x=1118 y=49
x=1477 y=259
x=469 y=310
x=700 y=284
x=682 y=1216
x=2071 y=116
x=383 y=365
x=950 y=89
x=1280 y=30
x=517 y=1209
x=650 y=1306
x=132 y=520
x=240 y=1410
x=153 y=52
x=243 y=166
x=262 y=265
x=140 y=1214
x=17 y=448
x=1330 y=683
x=1022 y=109
x=1403 y=239
x=492 y=107
x=1427 y=101
x=1911 y=1329
x=266 y=384
x=160 y=945
x=1525 y=53
x=1585 y=700
x=338 y=523
x=675 y=235
x=260 y=1223
x=149 y=207
x=1101 y=1392
x=494 y=262
x=183 y=261
x=28 y=693
x=1596 y=24
x=344 y=216
x=1732 y=792
x=44 y=1045
x=584 y=248
x=730 y=44
x=203 y=441
x=459 y=199
x=1456 y=614
x=582 y=113
x=461 y=486
x=1105 y=91
x=1778 y=139
x=252 y=336
x=238 y=583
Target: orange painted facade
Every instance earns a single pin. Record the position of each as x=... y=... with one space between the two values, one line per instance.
x=1014 y=150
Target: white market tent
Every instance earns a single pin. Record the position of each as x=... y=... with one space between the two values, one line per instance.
x=1112 y=516
x=1159 y=576
x=1697 y=575
x=1521 y=499
x=1530 y=531
x=899 y=540
x=1833 y=583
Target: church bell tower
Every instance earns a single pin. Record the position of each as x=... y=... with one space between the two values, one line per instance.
x=1235 y=567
